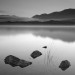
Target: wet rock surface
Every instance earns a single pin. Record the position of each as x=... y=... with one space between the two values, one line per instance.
x=64 y=65
x=14 y=61
x=35 y=54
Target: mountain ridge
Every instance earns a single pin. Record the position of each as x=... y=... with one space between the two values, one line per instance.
x=64 y=14
x=64 y=17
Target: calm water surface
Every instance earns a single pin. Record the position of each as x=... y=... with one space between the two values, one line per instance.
x=21 y=41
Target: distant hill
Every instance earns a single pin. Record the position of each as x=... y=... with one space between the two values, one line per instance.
x=61 y=15
x=13 y=18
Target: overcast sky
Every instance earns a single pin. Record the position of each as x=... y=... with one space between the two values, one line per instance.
x=28 y=8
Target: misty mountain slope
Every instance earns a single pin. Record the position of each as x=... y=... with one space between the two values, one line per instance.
x=13 y=18
x=64 y=14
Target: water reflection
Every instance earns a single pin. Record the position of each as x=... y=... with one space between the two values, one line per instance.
x=25 y=42
x=57 y=32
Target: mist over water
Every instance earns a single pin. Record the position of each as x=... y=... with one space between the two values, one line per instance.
x=22 y=41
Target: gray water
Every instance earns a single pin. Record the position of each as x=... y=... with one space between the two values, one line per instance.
x=21 y=41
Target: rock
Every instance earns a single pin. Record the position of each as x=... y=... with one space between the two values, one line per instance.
x=36 y=54
x=24 y=63
x=44 y=47
x=14 y=61
x=64 y=65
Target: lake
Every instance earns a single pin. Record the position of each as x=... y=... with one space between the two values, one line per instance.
x=21 y=41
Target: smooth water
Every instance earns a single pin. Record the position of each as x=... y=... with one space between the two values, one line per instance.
x=21 y=41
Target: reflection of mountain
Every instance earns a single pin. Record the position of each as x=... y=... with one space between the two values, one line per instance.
x=65 y=14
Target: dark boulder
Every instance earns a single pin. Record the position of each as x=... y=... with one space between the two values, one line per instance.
x=36 y=54
x=64 y=65
x=14 y=61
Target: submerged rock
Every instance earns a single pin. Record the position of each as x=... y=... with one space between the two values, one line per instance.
x=44 y=47
x=64 y=65
x=14 y=61
x=36 y=54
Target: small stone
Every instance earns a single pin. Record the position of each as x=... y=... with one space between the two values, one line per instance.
x=64 y=65
x=36 y=54
x=44 y=47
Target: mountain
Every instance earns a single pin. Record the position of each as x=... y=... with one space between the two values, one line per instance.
x=60 y=15
x=64 y=17
x=13 y=18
